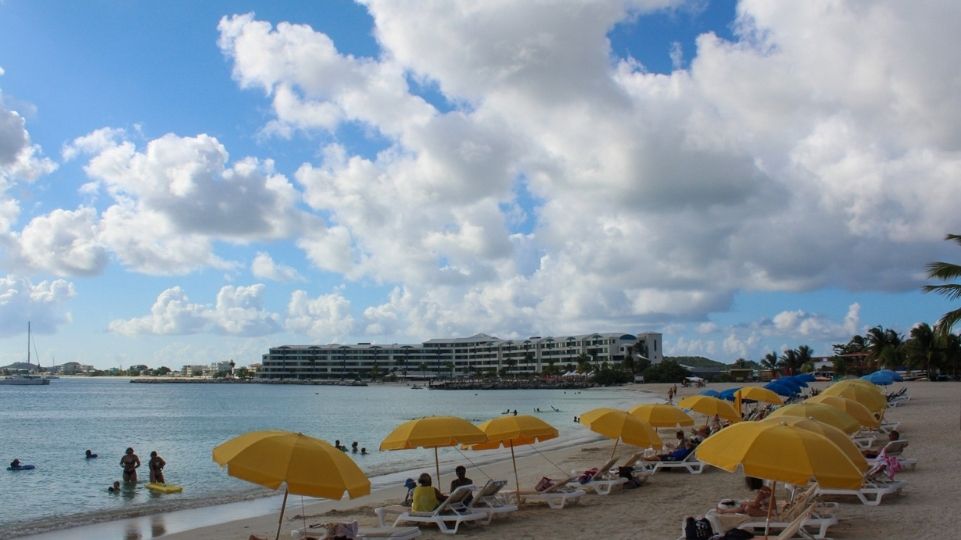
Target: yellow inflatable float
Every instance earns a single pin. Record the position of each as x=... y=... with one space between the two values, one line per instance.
x=164 y=488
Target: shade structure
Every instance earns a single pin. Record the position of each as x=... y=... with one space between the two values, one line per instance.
x=621 y=426
x=806 y=377
x=894 y=374
x=433 y=432
x=710 y=406
x=661 y=415
x=710 y=392
x=781 y=389
x=511 y=431
x=823 y=413
x=781 y=453
x=880 y=378
x=866 y=394
x=758 y=393
x=729 y=393
x=836 y=436
x=788 y=382
x=853 y=408
x=307 y=466
x=796 y=379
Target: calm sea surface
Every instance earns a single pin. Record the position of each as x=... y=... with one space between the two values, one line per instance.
x=51 y=426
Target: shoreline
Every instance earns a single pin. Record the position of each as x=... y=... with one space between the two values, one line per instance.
x=181 y=517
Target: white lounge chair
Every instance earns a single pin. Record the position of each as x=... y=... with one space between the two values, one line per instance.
x=488 y=499
x=871 y=493
x=896 y=449
x=556 y=496
x=721 y=523
x=603 y=481
x=452 y=510
x=690 y=463
x=821 y=516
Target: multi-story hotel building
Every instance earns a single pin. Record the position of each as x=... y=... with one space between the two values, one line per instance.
x=457 y=357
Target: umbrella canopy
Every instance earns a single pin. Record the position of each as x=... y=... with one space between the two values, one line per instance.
x=661 y=415
x=781 y=453
x=796 y=379
x=781 y=389
x=821 y=412
x=758 y=393
x=710 y=406
x=853 y=408
x=788 y=382
x=621 y=426
x=514 y=431
x=806 y=377
x=880 y=378
x=307 y=466
x=836 y=436
x=433 y=432
x=866 y=394
x=710 y=392
x=894 y=374
x=729 y=393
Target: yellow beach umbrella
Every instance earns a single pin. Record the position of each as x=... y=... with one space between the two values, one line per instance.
x=780 y=453
x=837 y=436
x=511 y=431
x=756 y=393
x=710 y=406
x=433 y=432
x=621 y=426
x=869 y=396
x=307 y=466
x=855 y=409
x=661 y=415
x=821 y=412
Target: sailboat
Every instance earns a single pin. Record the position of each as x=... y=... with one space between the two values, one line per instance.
x=26 y=379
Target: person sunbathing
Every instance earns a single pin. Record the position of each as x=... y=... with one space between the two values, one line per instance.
x=873 y=453
x=757 y=506
x=676 y=455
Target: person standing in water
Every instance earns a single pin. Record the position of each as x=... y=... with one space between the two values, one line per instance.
x=130 y=462
x=156 y=466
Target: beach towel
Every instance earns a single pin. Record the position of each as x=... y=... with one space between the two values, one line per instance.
x=892 y=465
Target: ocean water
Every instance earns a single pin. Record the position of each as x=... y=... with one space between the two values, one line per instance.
x=51 y=427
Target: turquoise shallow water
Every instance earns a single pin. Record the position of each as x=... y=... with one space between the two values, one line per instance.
x=51 y=427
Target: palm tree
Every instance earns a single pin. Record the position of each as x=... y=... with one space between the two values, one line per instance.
x=884 y=346
x=944 y=272
x=805 y=356
x=770 y=361
x=790 y=360
x=922 y=348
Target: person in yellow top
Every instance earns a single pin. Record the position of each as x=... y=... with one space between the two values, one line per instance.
x=426 y=497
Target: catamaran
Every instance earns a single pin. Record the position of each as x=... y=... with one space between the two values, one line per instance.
x=25 y=379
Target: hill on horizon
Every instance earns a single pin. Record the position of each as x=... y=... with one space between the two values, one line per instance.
x=696 y=361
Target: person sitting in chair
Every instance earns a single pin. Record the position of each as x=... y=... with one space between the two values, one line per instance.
x=676 y=455
x=758 y=506
x=426 y=497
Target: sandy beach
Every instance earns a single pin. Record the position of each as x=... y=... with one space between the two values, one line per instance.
x=930 y=421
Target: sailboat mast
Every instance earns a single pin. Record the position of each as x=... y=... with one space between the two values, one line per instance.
x=28 y=343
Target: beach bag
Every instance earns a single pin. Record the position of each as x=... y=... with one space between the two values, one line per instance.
x=697 y=529
x=586 y=477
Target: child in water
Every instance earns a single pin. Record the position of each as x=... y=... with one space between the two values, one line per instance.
x=115 y=488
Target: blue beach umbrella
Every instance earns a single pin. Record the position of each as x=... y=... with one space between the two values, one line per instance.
x=879 y=378
x=788 y=382
x=796 y=379
x=894 y=374
x=728 y=394
x=806 y=377
x=710 y=392
x=781 y=389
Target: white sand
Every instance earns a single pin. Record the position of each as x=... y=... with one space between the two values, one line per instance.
x=930 y=421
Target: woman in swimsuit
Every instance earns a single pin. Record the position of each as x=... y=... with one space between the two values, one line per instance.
x=130 y=462
x=156 y=465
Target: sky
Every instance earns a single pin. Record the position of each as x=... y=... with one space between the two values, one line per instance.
x=190 y=182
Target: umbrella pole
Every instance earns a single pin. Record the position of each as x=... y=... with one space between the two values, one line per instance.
x=617 y=440
x=437 y=466
x=280 y=522
x=770 y=508
x=516 y=478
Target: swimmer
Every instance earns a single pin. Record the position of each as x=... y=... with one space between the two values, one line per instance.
x=156 y=466
x=130 y=462
x=363 y=451
x=89 y=454
x=115 y=488
x=15 y=464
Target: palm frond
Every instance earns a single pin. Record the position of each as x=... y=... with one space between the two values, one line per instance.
x=951 y=290
x=943 y=270
x=947 y=322
x=953 y=238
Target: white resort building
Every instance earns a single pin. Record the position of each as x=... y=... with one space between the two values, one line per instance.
x=457 y=357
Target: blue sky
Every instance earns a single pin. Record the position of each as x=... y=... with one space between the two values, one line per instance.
x=189 y=182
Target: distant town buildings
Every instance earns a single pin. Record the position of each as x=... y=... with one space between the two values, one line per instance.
x=454 y=357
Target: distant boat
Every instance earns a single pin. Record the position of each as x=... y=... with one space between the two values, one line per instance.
x=416 y=387
x=26 y=379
